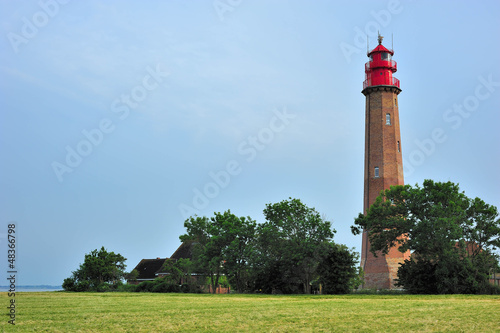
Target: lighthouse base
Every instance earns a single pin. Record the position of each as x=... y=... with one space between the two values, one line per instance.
x=381 y=271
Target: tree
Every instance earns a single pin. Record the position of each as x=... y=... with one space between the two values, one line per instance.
x=337 y=270
x=237 y=235
x=207 y=253
x=132 y=276
x=290 y=246
x=99 y=272
x=180 y=273
x=453 y=238
x=221 y=246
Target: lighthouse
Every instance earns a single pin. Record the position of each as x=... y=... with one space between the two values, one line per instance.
x=383 y=159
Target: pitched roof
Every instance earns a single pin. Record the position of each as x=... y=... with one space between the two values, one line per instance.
x=148 y=267
x=185 y=251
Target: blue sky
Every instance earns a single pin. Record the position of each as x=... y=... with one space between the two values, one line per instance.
x=245 y=102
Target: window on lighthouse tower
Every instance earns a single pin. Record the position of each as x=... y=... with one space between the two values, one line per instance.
x=387 y=118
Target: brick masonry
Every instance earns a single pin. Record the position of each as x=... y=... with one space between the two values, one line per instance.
x=383 y=151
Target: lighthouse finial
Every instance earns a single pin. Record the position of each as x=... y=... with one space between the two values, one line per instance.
x=380 y=38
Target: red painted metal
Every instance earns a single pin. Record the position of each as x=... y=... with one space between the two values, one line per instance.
x=379 y=70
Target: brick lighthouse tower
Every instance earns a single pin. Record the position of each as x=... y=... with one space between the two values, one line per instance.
x=383 y=160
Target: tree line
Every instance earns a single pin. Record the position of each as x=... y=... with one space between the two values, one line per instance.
x=453 y=239
x=291 y=252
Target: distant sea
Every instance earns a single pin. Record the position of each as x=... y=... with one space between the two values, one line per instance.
x=32 y=288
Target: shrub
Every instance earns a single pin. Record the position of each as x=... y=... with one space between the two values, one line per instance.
x=127 y=288
x=103 y=287
x=145 y=286
x=69 y=284
x=166 y=287
x=190 y=288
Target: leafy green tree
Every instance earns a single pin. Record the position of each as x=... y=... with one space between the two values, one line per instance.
x=132 y=276
x=207 y=252
x=221 y=246
x=453 y=238
x=290 y=246
x=99 y=270
x=337 y=270
x=237 y=234
x=180 y=272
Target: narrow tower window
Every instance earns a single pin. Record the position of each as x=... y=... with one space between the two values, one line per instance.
x=376 y=172
x=387 y=118
x=399 y=147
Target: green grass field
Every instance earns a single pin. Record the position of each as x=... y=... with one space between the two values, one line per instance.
x=145 y=312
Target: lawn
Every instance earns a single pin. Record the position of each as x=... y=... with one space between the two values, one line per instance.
x=147 y=312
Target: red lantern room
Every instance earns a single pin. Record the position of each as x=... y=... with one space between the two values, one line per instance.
x=378 y=71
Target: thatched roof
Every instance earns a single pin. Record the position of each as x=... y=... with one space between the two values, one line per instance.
x=147 y=268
